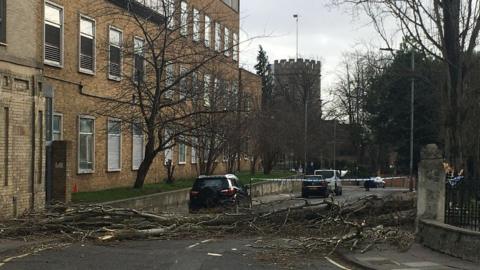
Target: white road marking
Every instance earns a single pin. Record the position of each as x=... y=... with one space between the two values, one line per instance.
x=194 y=245
x=206 y=241
x=35 y=251
x=337 y=264
x=214 y=254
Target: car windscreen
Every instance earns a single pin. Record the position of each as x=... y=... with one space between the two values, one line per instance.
x=313 y=181
x=215 y=183
x=325 y=174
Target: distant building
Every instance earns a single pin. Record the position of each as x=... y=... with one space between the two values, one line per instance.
x=299 y=75
x=22 y=109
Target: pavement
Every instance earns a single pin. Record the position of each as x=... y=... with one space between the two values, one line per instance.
x=417 y=257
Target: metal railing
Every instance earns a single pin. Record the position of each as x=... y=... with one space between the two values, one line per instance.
x=462 y=203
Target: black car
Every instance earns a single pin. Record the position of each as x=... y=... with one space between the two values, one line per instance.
x=217 y=191
x=315 y=185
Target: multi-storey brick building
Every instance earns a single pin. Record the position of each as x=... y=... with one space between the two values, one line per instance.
x=22 y=109
x=87 y=62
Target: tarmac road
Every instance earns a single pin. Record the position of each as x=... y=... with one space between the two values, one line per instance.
x=210 y=254
x=231 y=254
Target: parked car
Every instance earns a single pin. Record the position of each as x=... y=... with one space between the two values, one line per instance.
x=217 y=191
x=333 y=179
x=315 y=185
x=374 y=182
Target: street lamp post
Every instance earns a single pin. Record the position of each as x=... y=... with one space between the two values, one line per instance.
x=295 y=16
x=412 y=112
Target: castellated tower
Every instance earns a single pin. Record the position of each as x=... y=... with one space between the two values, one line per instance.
x=301 y=75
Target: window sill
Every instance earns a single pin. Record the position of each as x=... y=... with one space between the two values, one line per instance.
x=182 y=163
x=86 y=172
x=114 y=78
x=53 y=64
x=3 y=44
x=87 y=72
x=114 y=170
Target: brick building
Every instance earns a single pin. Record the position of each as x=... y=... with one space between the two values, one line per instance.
x=22 y=109
x=86 y=62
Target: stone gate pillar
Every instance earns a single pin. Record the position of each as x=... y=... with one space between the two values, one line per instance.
x=431 y=185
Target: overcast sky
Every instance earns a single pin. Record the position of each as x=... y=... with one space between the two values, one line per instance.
x=324 y=33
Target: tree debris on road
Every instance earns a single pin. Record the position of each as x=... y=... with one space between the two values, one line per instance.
x=322 y=227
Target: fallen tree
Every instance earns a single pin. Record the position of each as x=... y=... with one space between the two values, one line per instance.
x=323 y=226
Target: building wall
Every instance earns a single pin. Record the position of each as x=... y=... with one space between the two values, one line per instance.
x=22 y=111
x=77 y=93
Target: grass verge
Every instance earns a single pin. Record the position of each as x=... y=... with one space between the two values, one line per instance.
x=128 y=192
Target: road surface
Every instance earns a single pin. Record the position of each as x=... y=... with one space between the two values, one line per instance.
x=231 y=254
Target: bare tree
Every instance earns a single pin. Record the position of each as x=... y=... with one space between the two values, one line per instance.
x=161 y=72
x=447 y=30
x=355 y=77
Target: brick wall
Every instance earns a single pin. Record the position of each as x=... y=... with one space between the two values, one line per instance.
x=77 y=93
x=22 y=154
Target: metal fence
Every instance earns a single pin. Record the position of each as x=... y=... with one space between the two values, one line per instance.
x=462 y=203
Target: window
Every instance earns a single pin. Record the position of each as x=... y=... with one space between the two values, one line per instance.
x=208 y=31
x=168 y=152
x=114 y=145
x=170 y=13
x=115 y=54
x=6 y=144
x=3 y=21
x=195 y=86
x=169 y=79
x=138 y=147
x=87 y=45
x=139 y=62
x=86 y=148
x=235 y=47
x=194 y=151
x=206 y=90
x=182 y=153
x=156 y=5
x=218 y=36
x=53 y=35
x=196 y=25
x=226 y=43
x=183 y=83
x=184 y=18
x=57 y=127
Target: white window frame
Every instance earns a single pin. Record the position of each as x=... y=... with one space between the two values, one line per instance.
x=193 y=152
x=61 y=125
x=226 y=42
x=206 y=89
x=62 y=25
x=235 y=47
x=168 y=152
x=183 y=84
x=208 y=31
x=135 y=38
x=135 y=167
x=169 y=79
x=218 y=36
x=80 y=170
x=120 y=146
x=196 y=25
x=94 y=41
x=183 y=18
x=113 y=77
x=170 y=13
x=180 y=161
